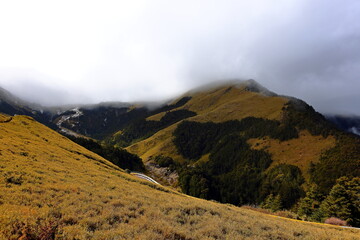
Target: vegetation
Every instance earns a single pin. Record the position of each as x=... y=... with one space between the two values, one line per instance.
x=119 y=157
x=284 y=181
x=168 y=162
x=181 y=102
x=143 y=128
x=272 y=203
x=343 y=201
x=303 y=152
x=301 y=115
x=340 y=205
x=239 y=174
x=225 y=103
x=308 y=207
x=235 y=172
x=194 y=139
x=100 y=122
x=341 y=160
x=52 y=188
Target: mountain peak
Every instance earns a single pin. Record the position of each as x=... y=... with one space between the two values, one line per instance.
x=253 y=86
x=250 y=85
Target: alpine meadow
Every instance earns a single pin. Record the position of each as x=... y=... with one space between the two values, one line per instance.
x=180 y=120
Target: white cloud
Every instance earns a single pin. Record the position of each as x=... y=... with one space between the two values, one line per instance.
x=136 y=50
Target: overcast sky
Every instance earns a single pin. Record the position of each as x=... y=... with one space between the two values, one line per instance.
x=60 y=52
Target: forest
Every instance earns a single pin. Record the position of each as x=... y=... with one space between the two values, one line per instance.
x=117 y=156
x=234 y=173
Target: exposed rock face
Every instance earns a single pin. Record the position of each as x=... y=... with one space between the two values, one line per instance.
x=163 y=174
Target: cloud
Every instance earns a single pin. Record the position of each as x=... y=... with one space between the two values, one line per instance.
x=152 y=50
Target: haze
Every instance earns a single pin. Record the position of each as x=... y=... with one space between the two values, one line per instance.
x=92 y=51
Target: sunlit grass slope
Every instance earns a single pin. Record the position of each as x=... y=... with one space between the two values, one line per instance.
x=218 y=104
x=51 y=188
x=300 y=152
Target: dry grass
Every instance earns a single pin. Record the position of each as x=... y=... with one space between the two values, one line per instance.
x=156 y=117
x=216 y=105
x=232 y=103
x=51 y=188
x=299 y=152
x=161 y=143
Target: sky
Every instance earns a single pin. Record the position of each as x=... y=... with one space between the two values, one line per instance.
x=62 y=52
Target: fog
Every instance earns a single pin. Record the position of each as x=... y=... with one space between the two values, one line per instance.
x=87 y=52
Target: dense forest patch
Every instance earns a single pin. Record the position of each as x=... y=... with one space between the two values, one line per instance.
x=234 y=172
x=117 y=156
x=194 y=139
x=238 y=173
x=143 y=128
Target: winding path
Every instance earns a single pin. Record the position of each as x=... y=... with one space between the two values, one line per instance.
x=143 y=176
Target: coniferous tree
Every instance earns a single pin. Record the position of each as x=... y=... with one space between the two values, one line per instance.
x=277 y=204
x=272 y=203
x=343 y=201
x=309 y=206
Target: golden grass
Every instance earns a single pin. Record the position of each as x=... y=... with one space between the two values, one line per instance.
x=299 y=152
x=204 y=158
x=52 y=188
x=234 y=103
x=161 y=143
x=156 y=117
x=216 y=105
x=4 y=118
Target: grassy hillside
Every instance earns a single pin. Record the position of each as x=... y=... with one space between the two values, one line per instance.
x=237 y=101
x=218 y=104
x=300 y=152
x=245 y=145
x=51 y=188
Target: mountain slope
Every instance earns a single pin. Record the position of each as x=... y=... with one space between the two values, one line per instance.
x=51 y=188
x=242 y=136
x=222 y=103
x=346 y=122
x=229 y=143
x=96 y=121
x=12 y=105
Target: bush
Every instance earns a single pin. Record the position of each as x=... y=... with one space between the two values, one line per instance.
x=164 y=161
x=286 y=214
x=336 y=221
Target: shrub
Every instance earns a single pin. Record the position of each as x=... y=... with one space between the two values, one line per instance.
x=336 y=221
x=287 y=214
x=17 y=180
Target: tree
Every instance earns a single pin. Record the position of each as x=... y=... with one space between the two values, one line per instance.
x=272 y=203
x=309 y=206
x=343 y=201
x=284 y=180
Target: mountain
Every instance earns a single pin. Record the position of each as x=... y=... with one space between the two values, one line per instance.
x=346 y=122
x=12 y=105
x=235 y=142
x=96 y=121
x=240 y=143
x=52 y=188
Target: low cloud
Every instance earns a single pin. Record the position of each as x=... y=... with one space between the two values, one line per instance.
x=154 y=50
